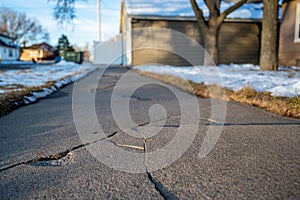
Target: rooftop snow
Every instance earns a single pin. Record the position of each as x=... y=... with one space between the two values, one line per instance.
x=183 y=8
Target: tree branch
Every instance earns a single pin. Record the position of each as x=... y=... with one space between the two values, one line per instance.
x=210 y=6
x=230 y=9
x=199 y=15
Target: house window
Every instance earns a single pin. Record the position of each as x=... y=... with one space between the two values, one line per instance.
x=10 y=53
x=297 y=24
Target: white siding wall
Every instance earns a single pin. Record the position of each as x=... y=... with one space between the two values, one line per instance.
x=1 y=53
x=127 y=39
x=128 y=42
x=8 y=54
x=109 y=52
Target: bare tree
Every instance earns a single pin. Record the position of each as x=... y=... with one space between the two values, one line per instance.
x=64 y=10
x=269 y=38
x=210 y=29
x=20 y=28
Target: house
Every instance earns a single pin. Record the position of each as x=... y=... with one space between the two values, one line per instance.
x=289 y=40
x=8 y=50
x=38 y=52
x=239 y=39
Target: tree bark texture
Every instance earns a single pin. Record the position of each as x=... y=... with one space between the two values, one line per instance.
x=269 y=38
x=210 y=29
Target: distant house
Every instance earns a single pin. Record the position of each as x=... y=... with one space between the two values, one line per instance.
x=239 y=39
x=8 y=50
x=289 y=41
x=38 y=52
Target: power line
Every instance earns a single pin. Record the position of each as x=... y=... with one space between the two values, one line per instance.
x=99 y=19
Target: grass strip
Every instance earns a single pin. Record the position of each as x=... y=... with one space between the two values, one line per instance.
x=15 y=98
x=285 y=106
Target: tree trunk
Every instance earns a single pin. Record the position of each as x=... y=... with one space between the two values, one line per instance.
x=269 y=39
x=211 y=46
x=210 y=30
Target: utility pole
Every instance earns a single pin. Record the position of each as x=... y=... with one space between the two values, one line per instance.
x=99 y=20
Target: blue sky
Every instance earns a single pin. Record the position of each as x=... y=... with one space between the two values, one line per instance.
x=85 y=25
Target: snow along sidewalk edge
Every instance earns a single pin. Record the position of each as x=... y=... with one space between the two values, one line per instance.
x=22 y=98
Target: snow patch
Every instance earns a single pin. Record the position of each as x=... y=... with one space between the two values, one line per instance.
x=285 y=82
x=61 y=74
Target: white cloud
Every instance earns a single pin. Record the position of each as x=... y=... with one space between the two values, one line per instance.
x=244 y=13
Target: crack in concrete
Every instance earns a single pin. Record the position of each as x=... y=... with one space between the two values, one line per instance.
x=105 y=87
x=147 y=123
x=127 y=145
x=164 y=192
x=56 y=156
x=209 y=120
x=63 y=154
x=161 y=189
x=138 y=98
x=141 y=98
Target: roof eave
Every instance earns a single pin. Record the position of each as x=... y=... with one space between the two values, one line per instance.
x=187 y=18
x=2 y=35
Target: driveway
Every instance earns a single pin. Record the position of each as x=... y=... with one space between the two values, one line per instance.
x=55 y=149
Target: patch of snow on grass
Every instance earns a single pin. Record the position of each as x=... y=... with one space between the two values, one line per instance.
x=285 y=82
x=61 y=74
x=44 y=73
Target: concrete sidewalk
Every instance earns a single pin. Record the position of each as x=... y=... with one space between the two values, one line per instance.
x=43 y=156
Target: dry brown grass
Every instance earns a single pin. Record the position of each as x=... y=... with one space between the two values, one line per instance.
x=15 y=98
x=289 y=107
